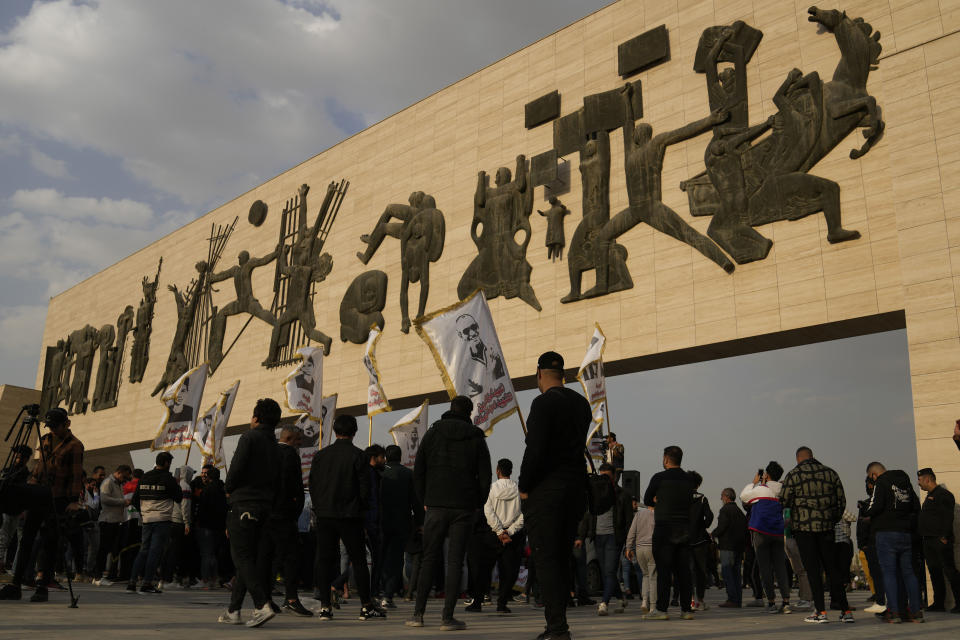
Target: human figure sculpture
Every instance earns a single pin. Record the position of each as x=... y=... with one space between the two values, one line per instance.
x=86 y=345
x=595 y=181
x=421 y=232
x=144 y=327
x=555 y=237
x=245 y=302
x=500 y=213
x=362 y=305
x=108 y=362
x=178 y=362
x=402 y=212
x=53 y=375
x=643 y=164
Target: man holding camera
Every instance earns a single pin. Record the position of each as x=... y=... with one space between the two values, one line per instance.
x=58 y=472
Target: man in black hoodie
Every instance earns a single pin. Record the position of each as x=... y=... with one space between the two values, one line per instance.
x=279 y=539
x=398 y=515
x=250 y=486
x=670 y=493
x=451 y=476
x=893 y=512
x=339 y=490
x=552 y=483
x=936 y=528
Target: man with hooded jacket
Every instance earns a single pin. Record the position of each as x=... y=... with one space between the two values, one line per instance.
x=451 y=476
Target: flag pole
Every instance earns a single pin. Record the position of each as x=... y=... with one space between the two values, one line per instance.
x=189 y=449
x=523 y=424
x=370 y=433
x=606 y=414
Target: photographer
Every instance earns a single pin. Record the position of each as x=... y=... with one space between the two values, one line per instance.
x=59 y=472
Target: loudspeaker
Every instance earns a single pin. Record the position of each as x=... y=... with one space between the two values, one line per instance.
x=630 y=480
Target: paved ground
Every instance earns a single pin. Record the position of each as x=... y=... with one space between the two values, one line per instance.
x=111 y=613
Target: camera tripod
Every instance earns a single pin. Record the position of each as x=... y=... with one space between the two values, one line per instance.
x=24 y=436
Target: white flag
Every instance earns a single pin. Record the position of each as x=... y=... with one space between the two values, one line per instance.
x=590 y=373
x=212 y=426
x=304 y=385
x=598 y=420
x=408 y=432
x=181 y=403
x=307 y=447
x=595 y=438
x=467 y=350
x=376 y=399
x=327 y=412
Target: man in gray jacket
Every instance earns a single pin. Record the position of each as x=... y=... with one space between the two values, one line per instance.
x=112 y=506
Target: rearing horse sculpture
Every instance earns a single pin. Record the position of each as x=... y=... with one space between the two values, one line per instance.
x=813 y=117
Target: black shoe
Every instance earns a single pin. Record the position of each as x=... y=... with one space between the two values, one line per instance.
x=388 y=603
x=274 y=606
x=453 y=625
x=149 y=589
x=936 y=606
x=956 y=609
x=131 y=587
x=585 y=601
x=372 y=612
x=294 y=606
x=40 y=595
x=10 y=592
x=555 y=636
x=503 y=610
x=474 y=607
x=325 y=614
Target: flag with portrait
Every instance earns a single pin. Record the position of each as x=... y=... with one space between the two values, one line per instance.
x=304 y=385
x=212 y=426
x=327 y=413
x=590 y=374
x=181 y=403
x=467 y=351
x=408 y=432
x=376 y=399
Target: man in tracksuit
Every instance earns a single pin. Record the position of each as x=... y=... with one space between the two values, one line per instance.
x=251 y=485
x=893 y=509
x=279 y=539
x=155 y=497
x=451 y=476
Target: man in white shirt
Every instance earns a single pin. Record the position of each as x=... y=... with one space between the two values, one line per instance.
x=502 y=543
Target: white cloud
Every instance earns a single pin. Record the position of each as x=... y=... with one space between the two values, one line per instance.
x=48 y=165
x=51 y=202
x=21 y=330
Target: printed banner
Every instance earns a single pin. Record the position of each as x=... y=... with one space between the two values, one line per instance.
x=467 y=351
x=595 y=431
x=181 y=403
x=408 y=432
x=327 y=413
x=304 y=385
x=305 y=450
x=376 y=399
x=590 y=373
x=212 y=426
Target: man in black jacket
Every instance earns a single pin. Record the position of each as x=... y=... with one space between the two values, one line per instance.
x=936 y=528
x=154 y=498
x=279 y=539
x=250 y=486
x=701 y=517
x=731 y=536
x=553 y=480
x=670 y=493
x=893 y=511
x=399 y=513
x=339 y=490
x=451 y=476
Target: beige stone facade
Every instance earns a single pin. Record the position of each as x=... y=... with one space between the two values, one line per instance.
x=903 y=196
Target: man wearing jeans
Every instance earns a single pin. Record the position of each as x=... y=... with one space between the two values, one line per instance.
x=731 y=539
x=893 y=509
x=154 y=498
x=936 y=527
x=451 y=476
x=814 y=494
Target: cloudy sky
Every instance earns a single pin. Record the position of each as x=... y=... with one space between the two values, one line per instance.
x=123 y=119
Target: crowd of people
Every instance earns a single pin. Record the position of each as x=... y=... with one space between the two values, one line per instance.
x=447 y=526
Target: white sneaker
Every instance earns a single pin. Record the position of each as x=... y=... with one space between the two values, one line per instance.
x=602 y=609
x=876 y=608
x=102 y=582
x=230 y=617
x=802 y=605
x=260 y=615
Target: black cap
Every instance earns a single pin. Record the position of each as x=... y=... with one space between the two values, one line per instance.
x=926 y=471
x=550 y=360
x=57 y=416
